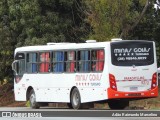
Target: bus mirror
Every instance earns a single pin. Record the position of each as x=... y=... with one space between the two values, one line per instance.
x=15 y=66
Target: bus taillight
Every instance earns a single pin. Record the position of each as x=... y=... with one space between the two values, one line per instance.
x=154 y=81
x=112 y=81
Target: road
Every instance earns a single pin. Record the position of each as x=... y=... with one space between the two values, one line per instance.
x=17 y=113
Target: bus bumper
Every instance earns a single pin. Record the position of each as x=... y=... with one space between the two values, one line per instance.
x=112 y=94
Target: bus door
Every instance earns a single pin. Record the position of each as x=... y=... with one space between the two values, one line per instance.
x=19 y=66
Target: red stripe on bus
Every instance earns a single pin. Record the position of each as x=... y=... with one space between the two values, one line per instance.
x=132 y=80
x=142 y=94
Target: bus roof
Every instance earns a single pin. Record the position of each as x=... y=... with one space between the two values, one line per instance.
x=65 y=46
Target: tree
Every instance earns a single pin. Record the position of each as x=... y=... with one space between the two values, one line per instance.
x=115 y=18
x=41 y=21
x=149 y=28
x=7 y=43
x=25 y=22
x=128 y=19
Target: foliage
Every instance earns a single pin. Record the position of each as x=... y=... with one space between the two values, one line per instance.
x=42 y=21
x=106 y=17
x=127 y=19
x=34 y=22
x=149 y=28
x=27 y=104
x=114 y=18
x=6 y=53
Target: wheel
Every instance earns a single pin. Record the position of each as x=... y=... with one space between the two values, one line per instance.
x=75 y=99
x=118 y=104
x=32 y=100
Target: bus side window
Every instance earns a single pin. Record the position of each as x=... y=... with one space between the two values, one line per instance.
x=70 y=61
x=32 y=62
x=97 y=60
x=28 y=63
x=58 y=61
x=84 y=61
x=44 y=62
x=94 y=58
x=100 y=62
x=53 y=61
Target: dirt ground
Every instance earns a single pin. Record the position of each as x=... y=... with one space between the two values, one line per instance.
x=7 y=100
x=7 y=96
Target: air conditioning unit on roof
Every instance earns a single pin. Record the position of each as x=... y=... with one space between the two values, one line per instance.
x=91 y=41
x=116 y=39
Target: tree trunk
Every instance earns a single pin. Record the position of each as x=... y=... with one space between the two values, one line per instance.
x=129 y=28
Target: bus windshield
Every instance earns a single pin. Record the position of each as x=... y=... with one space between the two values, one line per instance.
x=132 y=53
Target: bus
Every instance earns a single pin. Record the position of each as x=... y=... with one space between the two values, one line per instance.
x=79 y=74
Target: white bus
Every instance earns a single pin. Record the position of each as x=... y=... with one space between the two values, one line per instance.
x=82 y=73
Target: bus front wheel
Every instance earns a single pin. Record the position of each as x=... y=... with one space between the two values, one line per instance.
x=32 y=100
x=76 y=99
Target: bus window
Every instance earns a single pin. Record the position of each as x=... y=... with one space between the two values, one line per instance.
x=32 y=62
x=44 y=62
x=84 y=61
x=94 y=58
x=132 y=53
x=58 y=61
x=100 y=62
x=70 y=61
x=97 y=62
x=21 y=67
x=21 y=63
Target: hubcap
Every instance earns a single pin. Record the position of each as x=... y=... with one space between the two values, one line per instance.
x=75 y=99
x=32 y=99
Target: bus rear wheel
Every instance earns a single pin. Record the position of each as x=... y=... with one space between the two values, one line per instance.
x=32 y=100
x=76 y=99
x=118 y=104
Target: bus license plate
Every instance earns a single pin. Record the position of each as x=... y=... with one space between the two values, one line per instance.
x=133 y=88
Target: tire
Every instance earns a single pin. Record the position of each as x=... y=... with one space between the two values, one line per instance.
x=32 y=100
x=76 y=99
x=118 y=104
